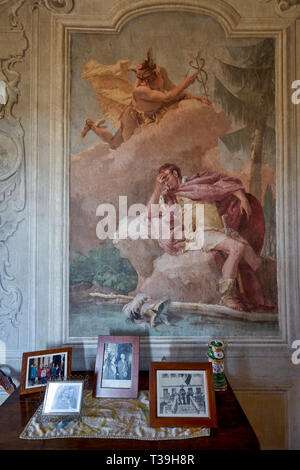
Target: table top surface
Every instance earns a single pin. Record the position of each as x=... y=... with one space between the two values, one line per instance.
x=234 y=431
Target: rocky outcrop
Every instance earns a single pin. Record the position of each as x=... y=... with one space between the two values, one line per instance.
x=189 y=277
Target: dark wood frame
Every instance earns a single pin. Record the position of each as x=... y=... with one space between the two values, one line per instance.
x=157 y=421
x=132 y=392
x=45 y=352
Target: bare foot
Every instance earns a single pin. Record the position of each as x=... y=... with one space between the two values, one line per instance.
x=86 y=128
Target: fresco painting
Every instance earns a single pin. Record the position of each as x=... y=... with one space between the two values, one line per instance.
x=180 y=119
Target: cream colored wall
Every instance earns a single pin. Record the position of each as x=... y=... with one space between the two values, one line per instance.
x=34 y=196
x=267 y=414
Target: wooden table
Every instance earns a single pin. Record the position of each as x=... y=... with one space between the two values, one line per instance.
x=233 y=433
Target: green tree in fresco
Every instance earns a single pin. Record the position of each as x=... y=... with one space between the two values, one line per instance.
x=245 y=88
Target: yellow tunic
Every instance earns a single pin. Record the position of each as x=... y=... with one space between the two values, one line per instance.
x=203 y=227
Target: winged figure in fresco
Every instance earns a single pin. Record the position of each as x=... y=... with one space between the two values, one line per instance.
x=129 y=106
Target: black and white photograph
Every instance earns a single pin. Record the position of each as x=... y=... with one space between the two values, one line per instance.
x=181 y=393
x=63 y=398
x=117 y=365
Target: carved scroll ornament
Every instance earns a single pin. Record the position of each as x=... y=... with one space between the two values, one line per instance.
x=12 y=191
x=57 y=6
x=285 y=7
x=12 y=152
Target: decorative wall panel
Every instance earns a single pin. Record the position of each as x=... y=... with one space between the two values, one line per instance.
x=40 y=42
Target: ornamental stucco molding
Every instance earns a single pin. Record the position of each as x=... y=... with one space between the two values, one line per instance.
x=125 y=10
x=286 y=8
x=287 y=5
x=56 y=6
x=12 y=164
x=14 y=45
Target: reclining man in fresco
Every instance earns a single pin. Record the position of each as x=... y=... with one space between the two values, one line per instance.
x=237 y=243
x=151 y=97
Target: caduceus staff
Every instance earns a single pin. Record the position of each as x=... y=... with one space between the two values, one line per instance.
x=202 y=76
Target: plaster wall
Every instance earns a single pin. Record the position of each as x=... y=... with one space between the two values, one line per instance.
x=34 y=231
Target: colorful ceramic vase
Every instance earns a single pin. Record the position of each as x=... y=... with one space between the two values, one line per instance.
x=216 y=356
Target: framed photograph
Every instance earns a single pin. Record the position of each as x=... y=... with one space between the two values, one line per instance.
x=39 y=367
x=63 y=398
x=182 y=394
x=117 y=367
